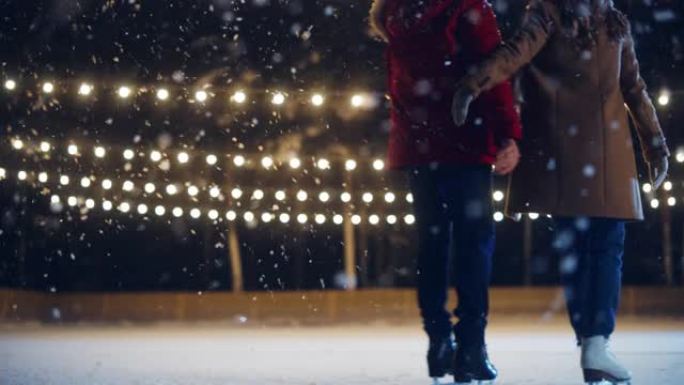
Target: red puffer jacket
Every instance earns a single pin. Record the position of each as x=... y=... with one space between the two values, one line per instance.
x=432 y=43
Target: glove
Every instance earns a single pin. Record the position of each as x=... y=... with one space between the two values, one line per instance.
x=657 y=170
x=460 y=105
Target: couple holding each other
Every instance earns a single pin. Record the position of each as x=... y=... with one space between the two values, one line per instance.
x=453 y=117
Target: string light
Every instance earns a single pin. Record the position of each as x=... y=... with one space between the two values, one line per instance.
x=124 y=92
x=213 y=214
x=124 y=207
x=302 y=195
x=159 y=210
x=128 y=154
x=195 y=213
x=671 y=201
x=324 y=196
x=42 y=177
x=183 y=157
x=295 y=163
x=64 y=180
x=106 y=184
x=345 y=197
x=498 y=216
x=162 y=94
x=192 y=191
x=214 y=192
x=317 y=100
x=498 y=196
x=48 y=87
x=155 y=156
x=647 y=188
x=338 y=219
x=22 y=175
x=655 y=203
x=90 y=203
x=231 y=215
x=171 y=189
x=100 y=152
x=85 y=182
x=323 y=164
x=239 y=97
x=177 y=212
x=278 y=98
x=54 y=199
x=142 y=209
x=45 y=146
x=72 y=201
x=248 y=216
x=85 y=89
x=149 y=187
x=18 y=144
x=236 y=193
x=258 y=195
x=350 y=165
x=239 y=160
x=409 y=219
x=211 y=159
x=284 y=218
x=409 y=198
x=267 y=162
x=280 y=195
x=374 y=219
x=107 y=205
x=355 y=219
x=10 y=84
x=391 y=219
x=201 y=96
x=390 y=197
x=378 y=164
x=367 y=197
x=667 y=186
x=319 y=218
x=302 y=218
x=128 y=185
x=664 y=98
x=266 y=217
x=72 y=149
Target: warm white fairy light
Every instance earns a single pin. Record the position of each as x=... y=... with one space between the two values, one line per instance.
x=183 y=157
x=667 y=186
x=195 y=213
x=160 y=210
x=533 y=216
x=378 y=164
x=124 y=92
x=258 y=194
x=390 y=197
x=124 y=207
x=171 y=189
x=231 y=215
x=239 y=160
x=107 y=184
x=655 y=203
x=22 y=175
x=266 y=217
x=350 y=165
x=280 y=195
x=239 y=97
x=267 y=162
x=345 y=197
x=201 y=96
x=647 y=188
x=295 y=163
x=42 y=177
x=338 y=219
x=323 y=164
x=284 y=218
x=302 y=218
x=48 y=87
x=45 y=146
x=213 y=214
x=100 y=152
x=55 y=199
x=236 y=193
x=149 y=187
x=248 y=216
x=498 y=216
x=142 y=209
x=278 y=98
x=155 y=156
x=664 y=98
x=72 y=149
x=192 y=190
x=671 y=201
x=391 y=219
x=107 y=205
x=211 y=159
x=85 y=89
x=128 y=186
x=302 y=195
x=319 y=218
x=128 y=154
x=86 y=182
x=10 y=85
x=498 y=196
x=177 y=212
x=356 y=219
x=409 y=198
x=373 y=219
x=367 y=197
x=324 y=196
x=357 y=100
x=680 y=156
x=64 y=180
x=72 y=201
x=317 y=100
x=3 y=173
x=162 y=94
x=214 y=192
x=90 y=203
x=18 y=144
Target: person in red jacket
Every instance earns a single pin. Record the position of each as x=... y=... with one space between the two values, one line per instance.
x=431 y=45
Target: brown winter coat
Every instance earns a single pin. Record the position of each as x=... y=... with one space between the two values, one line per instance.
x=577 y=153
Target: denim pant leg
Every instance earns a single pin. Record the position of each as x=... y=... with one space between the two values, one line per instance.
x=470 y=204
x=432 y=273
x=591 y=252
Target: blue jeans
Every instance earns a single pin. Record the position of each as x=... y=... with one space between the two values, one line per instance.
x=591 y=252
x=453 y=210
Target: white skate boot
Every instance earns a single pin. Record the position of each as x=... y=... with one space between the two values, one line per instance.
x=599 y=363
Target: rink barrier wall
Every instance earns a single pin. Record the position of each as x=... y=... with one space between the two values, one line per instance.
x=391 y=305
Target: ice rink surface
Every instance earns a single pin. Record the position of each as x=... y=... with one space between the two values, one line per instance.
x=526 y=352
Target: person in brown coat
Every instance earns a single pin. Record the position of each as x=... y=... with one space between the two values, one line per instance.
x=580 y=80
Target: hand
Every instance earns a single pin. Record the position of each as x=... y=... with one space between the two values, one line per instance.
x=507 y=158
x=460 y=105
x=657 y=170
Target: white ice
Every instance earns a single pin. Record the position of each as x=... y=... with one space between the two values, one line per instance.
x=527 y=352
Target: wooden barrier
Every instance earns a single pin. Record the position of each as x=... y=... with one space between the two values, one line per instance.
x=393 y=305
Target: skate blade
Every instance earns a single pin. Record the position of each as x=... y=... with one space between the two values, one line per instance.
x=599 y=377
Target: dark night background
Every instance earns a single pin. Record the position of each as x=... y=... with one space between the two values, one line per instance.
x=292 y=45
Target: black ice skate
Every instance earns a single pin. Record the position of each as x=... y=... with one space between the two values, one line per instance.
x=439 y=356
x=471 y=363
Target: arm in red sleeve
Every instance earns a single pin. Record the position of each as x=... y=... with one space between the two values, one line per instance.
x=478 y=35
